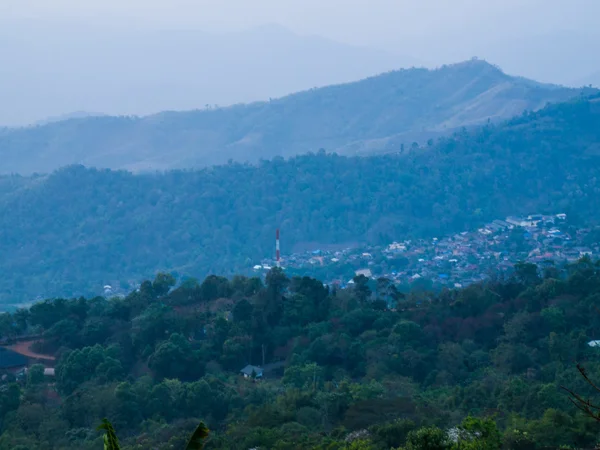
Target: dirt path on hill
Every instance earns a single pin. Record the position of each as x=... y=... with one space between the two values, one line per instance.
x=23 y=348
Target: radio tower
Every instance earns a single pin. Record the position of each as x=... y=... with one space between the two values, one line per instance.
x=277 y=248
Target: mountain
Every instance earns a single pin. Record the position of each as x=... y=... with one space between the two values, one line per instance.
x=377 y=114
x=77 y=229
x=50 y=68
x=68 y=116
x=557 y=57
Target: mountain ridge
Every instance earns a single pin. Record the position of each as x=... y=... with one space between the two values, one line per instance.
x=377 y=114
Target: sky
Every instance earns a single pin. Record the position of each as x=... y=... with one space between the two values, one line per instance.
x=548 y=40
x=366 y=22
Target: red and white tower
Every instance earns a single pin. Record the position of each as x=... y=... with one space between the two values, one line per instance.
x=277 y=248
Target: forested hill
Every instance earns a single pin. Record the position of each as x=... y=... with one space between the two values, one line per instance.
x=362 y=368
x=75 y=230
x=376 y=114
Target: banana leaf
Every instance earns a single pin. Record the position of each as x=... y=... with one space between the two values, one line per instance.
x=198 y=439
x=111 y=442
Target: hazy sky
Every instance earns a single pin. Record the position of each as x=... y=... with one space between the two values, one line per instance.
x=369 y=22
x=104 y=55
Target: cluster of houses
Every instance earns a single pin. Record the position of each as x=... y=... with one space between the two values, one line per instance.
x=453 y=261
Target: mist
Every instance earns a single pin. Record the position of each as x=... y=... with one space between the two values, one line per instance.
x=138 y=58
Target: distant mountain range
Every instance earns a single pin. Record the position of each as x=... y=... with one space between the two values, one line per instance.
x=75 y=230
x=68 y=116
x=48 y=69
x=378 y=114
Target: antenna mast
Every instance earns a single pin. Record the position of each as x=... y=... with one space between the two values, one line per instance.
x=277 y=256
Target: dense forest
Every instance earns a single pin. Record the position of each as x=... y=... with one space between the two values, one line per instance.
x=70 y=233
x=366 y=367
x=376 y=114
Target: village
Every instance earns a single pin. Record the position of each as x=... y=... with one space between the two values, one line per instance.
x=453 y=261
x=446 y=262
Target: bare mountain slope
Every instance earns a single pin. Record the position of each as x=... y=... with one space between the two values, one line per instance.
x=376 y=114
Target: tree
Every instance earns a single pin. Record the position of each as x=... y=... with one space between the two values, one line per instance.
x=270 y=300
x=10 y=399
x=303 y=377
x=477 y=434
x=214 y=287
x=587 y=406
x=162 y=284
x=387 y=291
x=195 y=442
x=361 y=287
x=175 y=359
x=35 y=375
x=429 y=438
x=242 y=311
x=79 y=366
x=392 y=434
x=527 y=273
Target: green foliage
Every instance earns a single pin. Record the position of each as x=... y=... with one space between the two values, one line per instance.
x=431 y=438
x=35 y=375
x=84 y=364
x=303 y=377
x=198 y=438
x=175 y=359
x=337 y=373
x=478 y=434
x=111 y=442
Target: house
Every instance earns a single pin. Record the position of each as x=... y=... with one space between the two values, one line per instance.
x=522 y=222
x=48 y=372
x=252 y=372
x=502 y=224
x=583 y=251
x=396 y=247
x=11 y=361
x=366 y=272
x=535 y=217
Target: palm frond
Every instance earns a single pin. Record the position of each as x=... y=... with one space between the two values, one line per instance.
x=198 y=439
x=111 y=442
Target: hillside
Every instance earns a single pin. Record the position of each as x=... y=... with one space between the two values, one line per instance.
x=361 y=368
x=377 y=114
x=71 y=232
